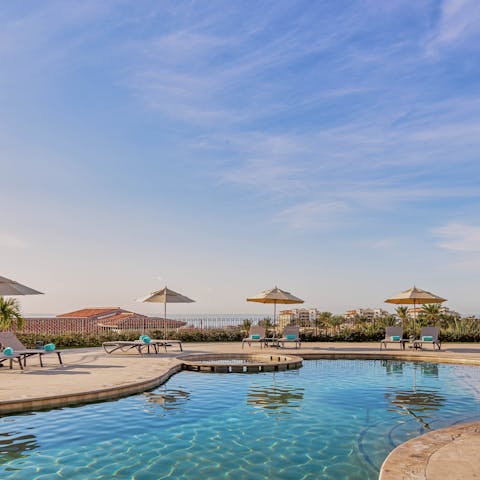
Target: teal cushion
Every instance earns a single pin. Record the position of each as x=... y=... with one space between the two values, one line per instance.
x=291 y=337
x=395 y=338
x=146 y=339
x=8 y=351
x=255 y=337
x=427 y=338
x=49 y=347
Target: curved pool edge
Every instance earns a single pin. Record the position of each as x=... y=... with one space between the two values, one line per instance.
x=405 y=357
x=88 y=396
x=450 y=452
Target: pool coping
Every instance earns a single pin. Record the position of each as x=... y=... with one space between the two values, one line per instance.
x=88 y=396
x=416 y=458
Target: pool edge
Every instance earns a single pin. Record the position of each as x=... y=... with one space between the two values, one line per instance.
x=90 y=396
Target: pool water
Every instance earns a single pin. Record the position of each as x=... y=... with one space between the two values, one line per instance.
x=332 y=419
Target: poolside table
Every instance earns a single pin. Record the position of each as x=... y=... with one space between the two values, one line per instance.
x=271 y=342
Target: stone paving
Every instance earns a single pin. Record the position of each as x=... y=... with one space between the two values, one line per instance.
x=91 y=375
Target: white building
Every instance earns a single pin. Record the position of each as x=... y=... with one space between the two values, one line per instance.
x=368 y=313
x=297 y=316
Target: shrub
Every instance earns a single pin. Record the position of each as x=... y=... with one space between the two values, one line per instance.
x=77 y=340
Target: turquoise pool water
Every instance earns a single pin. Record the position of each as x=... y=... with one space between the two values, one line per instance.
x=332 y=419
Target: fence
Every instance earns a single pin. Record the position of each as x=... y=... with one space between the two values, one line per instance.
x=82 y=325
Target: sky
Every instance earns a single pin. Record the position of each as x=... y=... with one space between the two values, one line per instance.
x=222 y=148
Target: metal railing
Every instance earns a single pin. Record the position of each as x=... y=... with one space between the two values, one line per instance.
x=80 y=325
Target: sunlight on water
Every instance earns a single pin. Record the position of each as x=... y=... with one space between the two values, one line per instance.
x=332 y=419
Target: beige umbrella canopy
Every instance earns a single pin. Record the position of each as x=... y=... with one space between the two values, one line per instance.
x=412 y=296
x=275 y=295
x=12 y=288
x=165 y=295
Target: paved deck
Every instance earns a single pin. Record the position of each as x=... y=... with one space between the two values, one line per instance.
x=91 y=375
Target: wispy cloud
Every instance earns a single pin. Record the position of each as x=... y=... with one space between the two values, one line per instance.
x=459 y=237
x=458 y=24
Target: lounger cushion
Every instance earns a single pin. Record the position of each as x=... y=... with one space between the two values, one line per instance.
x=49 y=347
x=255 y=337
x=395 y=338
x=146 y=339
x=427 y=338
x=291 y=337
x=8 y=351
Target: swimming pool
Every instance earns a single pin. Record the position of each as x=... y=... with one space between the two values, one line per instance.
x=332 y=419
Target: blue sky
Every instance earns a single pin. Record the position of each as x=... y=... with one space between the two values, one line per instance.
x=222 y=148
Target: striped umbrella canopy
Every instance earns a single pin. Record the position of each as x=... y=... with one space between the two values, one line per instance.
x=12 y=288
x=414 y=296
x=165 y=295
x=275 y=295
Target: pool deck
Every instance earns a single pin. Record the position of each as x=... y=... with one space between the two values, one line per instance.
x=90 y=375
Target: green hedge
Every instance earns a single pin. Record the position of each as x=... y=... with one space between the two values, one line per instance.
x=75 y=340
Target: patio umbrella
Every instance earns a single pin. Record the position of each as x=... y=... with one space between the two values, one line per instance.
x=275 y=295
x=12 y=288
x=414 y=296
x=165 y=295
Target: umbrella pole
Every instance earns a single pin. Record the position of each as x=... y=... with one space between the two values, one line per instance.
x=275 y=315
x=165 y=320
x=414 y=318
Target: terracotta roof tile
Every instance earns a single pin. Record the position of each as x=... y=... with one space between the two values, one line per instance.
x=90 y=312
x=115 y=320
x=137 y=320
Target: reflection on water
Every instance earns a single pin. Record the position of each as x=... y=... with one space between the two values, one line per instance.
x=15 y=445
x=392 y=367
x=419 y=403
x=275 y=399
x=429 y=369
x=166 y=399
x=426 y=369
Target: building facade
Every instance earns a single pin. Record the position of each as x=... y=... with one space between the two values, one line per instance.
x=298 y=316
x=369 y=314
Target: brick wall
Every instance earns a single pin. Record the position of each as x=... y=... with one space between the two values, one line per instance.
x=59 y=325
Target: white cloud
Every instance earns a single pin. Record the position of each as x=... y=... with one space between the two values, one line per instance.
x=459 y=237
x=458 y=24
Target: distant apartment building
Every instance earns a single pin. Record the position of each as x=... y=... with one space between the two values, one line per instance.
x=92 y=320
x=368 y=313
x=297 y=316
x=411 y=312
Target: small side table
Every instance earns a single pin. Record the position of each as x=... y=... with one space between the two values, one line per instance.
x=271 y=342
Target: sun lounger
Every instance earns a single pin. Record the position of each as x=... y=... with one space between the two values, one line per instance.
x=393 y=335
x=256 y=334
x=169 y=343
x=428 y=336
x=139 y=345
x=9 y=339
x=291 y=334
x=10 y=358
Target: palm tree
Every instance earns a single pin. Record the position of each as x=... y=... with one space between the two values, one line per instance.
x=402 y=314
x=246 y=324
x=323 y=319
x=430 y=312
x=335 y=321
x=10 y=315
